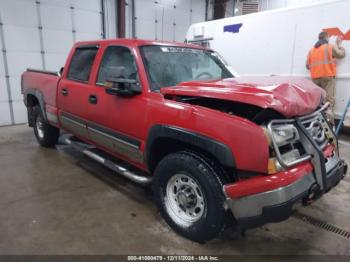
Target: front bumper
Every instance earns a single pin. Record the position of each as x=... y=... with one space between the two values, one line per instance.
x=274 y=205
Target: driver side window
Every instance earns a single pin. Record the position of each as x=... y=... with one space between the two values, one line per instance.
x=117 y=56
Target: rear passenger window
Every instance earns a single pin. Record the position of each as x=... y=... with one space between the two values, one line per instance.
x=81 y=63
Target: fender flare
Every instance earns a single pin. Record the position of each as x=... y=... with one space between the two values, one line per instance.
x=217 y=149
x=39 y=95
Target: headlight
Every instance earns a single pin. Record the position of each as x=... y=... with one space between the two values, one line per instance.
x=286 y=144
x=284 y=134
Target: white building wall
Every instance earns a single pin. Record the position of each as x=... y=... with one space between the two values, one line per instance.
x=264 y=5
x=274 y=4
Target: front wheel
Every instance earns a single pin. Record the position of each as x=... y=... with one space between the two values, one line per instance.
x=189 y=195
x=46 y=135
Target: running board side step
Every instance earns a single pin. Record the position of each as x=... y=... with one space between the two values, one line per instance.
x=87 y=150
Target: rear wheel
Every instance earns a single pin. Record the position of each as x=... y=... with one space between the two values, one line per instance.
x=46 y=135
x=189 y=195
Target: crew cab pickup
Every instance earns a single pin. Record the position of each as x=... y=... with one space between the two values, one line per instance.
x=213 y=146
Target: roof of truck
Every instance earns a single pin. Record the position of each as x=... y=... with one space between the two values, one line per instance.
x=136 y=42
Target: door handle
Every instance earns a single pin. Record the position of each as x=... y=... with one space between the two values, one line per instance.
x=64 y=92
x=93 y=99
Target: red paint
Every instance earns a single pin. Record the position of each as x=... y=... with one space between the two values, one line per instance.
x=259 y=184
x=136 y=115
x=335 y=31
x=291 y=96
x=328 y=151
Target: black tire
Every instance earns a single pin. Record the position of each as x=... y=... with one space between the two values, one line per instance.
x=48 y=135
x=212 y=221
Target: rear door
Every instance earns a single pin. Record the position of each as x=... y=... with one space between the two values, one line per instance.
x=72 y=96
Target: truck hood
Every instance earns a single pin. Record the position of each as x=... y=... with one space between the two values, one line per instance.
x=290 y=96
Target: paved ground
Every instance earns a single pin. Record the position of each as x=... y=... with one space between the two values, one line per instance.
x=56 y=201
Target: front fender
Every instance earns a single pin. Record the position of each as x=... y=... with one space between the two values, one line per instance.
x=215 y=148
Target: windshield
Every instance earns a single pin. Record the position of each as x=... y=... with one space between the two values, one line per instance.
x=168 y=66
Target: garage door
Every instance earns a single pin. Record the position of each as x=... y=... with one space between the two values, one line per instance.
x=39 y=34
x=164 y=19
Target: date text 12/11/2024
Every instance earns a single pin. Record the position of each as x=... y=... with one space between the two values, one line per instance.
x=173 y=258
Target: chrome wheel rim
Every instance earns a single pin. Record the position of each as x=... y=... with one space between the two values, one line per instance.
x=40 y=127
x=184 y=200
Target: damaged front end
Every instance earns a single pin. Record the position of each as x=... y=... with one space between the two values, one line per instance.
x=302 y=160
x=306 y=138
x=250 y=112
x=297 y=140
x=292 y=140
x=305 y=156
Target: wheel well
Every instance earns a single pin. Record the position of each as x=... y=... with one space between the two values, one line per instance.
x=32 y=100
x=164 y=146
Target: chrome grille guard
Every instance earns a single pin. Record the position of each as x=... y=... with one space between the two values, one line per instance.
x=316 y=131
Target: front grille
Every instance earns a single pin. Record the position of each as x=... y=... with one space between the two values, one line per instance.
x=316 y=127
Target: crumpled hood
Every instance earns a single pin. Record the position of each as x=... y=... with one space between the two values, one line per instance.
x=290 y=96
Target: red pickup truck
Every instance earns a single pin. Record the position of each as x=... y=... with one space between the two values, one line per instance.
x=218 y=150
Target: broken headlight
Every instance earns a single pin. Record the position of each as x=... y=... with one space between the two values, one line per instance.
x=287 y=149
x=284 y=134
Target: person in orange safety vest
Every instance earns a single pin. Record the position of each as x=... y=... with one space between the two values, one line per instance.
x=321 y=61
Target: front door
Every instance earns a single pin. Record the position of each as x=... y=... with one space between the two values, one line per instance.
x=117 y=123
x=72 y=95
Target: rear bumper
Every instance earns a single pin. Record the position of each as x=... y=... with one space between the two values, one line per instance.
x=276 y=204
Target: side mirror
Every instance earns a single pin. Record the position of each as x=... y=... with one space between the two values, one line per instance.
x=118 y=85
x=61 y=71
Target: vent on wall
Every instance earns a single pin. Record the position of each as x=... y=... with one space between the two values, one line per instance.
x=249 y=7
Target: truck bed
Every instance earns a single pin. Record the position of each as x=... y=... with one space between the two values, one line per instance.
x=43 y=81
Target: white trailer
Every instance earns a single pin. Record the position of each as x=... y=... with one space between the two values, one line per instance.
x=277 y=42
